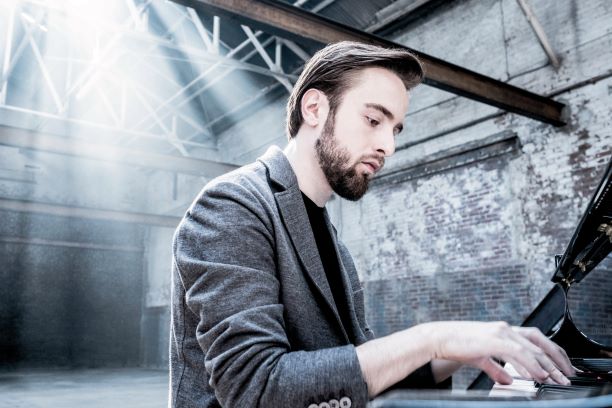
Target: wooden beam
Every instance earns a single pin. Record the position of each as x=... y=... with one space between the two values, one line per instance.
x=293 y=23
x=27 y=139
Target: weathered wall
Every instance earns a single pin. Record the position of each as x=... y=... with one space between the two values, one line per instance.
x=72 y=288
x=477 y=241
x=173 y=193
x=72 y=295
x=475 y=238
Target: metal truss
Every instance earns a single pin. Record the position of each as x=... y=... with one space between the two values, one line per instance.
x=95 y=78
x=279 y=18
x=203 y=81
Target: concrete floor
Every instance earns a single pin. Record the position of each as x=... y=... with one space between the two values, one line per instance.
x=114 y=388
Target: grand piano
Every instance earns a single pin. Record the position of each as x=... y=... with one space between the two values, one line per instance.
x=576 y=314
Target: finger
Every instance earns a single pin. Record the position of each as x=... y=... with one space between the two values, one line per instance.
x=495 y=371
x=556 y=353
x=540 y=356
x=572 y=369
x=521 y=352
x=527 y=361
x=555 y=374
x=549 y=381
x=569 y=370
x=550 y=369
x=518 y=351
x=522 y=371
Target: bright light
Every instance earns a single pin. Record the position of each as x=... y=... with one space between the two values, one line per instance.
x=28 y=18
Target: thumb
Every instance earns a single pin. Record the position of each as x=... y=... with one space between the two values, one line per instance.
x=495 y=371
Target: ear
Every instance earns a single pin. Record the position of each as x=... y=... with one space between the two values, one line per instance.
x=314 y=107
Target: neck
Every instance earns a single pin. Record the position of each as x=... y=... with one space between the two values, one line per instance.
x=312 y=181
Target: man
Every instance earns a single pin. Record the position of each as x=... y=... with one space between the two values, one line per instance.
x=267 y=308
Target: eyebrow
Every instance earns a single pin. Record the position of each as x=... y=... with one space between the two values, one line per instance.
x=385 y=112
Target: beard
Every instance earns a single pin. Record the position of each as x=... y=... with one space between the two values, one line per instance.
x=334 y=160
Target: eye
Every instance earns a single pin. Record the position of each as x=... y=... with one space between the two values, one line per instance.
x=372 y=122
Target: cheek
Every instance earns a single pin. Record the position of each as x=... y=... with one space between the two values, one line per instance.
x=352 y=134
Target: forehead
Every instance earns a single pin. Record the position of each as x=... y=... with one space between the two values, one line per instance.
x=378 y=86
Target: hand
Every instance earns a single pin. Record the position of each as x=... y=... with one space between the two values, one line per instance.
x=479 y=344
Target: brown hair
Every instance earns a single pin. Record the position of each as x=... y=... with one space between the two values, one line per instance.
x=330 y=71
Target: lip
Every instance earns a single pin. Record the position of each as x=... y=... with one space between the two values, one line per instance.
x=372 y=165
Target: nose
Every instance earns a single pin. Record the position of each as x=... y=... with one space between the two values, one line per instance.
x=386 y=143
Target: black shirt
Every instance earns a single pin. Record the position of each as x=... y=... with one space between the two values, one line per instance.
x=329 y=259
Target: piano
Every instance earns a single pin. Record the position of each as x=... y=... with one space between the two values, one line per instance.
x=576 y=314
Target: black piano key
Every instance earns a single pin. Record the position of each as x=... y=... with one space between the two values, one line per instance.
x=593 y=364
x=552 y=391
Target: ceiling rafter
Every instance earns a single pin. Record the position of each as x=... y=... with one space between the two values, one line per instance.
x=160 y=113
x=297 y=24
x=296 y=49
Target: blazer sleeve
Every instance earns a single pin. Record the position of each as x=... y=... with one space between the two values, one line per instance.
x=225 y=254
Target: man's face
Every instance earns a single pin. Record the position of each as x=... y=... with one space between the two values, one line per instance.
x=361 y=132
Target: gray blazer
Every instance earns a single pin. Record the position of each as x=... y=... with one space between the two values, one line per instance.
x=253 y=318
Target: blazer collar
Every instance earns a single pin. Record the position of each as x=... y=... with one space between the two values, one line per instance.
x=279 y=168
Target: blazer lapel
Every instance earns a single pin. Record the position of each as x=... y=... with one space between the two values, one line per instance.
x=293 y=212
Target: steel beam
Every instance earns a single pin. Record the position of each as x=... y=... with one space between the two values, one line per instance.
x=108 y=105
x=69 y=244
x=12 y=60
x=88 y=213
x=110 y=129
x=264 y=55
x=23 y=138
x=199 y=78
x=6 y=62
x=397 y=14
x=43 y=68
x=290 y=22
x=200 y=28
x=539 y=32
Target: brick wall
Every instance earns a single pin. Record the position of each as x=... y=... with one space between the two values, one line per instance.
x=477 y=240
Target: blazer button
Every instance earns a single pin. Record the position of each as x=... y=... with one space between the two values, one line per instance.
x=313 y=406
x=333 y=403
x=324 y=405
x=345 y=402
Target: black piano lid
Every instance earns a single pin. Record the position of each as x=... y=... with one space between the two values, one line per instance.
x=592 y=240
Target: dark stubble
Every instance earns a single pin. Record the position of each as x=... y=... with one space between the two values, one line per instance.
x=343 y=177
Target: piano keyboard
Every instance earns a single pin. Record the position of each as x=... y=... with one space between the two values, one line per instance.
x=520 y=387
x=594 y=377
